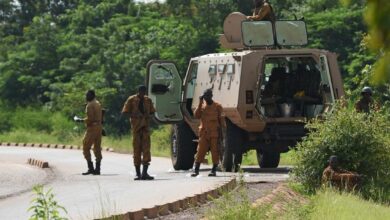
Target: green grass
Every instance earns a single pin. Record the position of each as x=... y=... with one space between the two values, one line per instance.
x=250 y=158
x=160 y=140
x=235 y=206
x=332 y=205
x=327 y=204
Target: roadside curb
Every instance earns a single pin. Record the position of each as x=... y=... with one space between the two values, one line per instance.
x=38 y=163
x=280 y=199
x=148 y=213
x=54 y=146
x=178 y=205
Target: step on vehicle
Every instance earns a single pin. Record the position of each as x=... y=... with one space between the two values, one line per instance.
x=269 y=86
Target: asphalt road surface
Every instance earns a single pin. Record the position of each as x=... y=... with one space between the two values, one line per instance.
x=113 y=192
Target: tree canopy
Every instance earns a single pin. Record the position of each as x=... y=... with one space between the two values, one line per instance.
x=52 y=51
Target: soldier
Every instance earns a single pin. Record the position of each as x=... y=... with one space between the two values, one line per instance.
x=338 y=177
x=366 y=102
x=93 y=134
x=139 y=107
x=263 y=11
x=211 y=120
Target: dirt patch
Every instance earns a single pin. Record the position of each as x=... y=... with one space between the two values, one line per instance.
x=280 y=199
x=254 y=191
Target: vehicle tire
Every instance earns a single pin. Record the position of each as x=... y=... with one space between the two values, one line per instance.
x=183 y=148
x=268 y=159
x=231 y=146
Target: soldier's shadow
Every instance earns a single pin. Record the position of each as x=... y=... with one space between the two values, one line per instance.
x=109 y=174
x=285 y=170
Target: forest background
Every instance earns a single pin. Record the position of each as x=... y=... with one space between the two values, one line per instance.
x=52 y=52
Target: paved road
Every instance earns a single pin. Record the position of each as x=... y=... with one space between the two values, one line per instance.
x=87 y=197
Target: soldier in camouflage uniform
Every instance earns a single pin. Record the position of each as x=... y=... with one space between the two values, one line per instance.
x=339 y=178
x=139 y=108
x=210 y=114
x=93 y=134
x=366 y=102
x=263 y=11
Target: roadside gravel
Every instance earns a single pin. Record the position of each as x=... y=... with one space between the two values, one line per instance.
x=254 y=190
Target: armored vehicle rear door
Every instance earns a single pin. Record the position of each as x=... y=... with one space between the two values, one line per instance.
x=326 y=82
x=165 y=89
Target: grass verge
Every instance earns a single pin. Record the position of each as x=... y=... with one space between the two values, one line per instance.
x=329 y=204
x=250 y=158
x=160 y=140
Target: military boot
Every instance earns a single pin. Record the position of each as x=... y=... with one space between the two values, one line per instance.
x=97 y=168
x=145 y=175
x=90 y=168
x=213 y=171
x=196 y=170
x=138 y=172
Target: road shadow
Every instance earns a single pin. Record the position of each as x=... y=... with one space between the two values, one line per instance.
x=109 y=174
x=285 y=170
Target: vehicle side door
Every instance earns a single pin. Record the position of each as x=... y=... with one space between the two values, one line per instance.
x=165 y=89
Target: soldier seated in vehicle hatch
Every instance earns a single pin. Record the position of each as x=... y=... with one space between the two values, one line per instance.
x=263 y=11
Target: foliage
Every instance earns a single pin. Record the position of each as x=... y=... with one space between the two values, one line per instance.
x=40 y=126
x=250 y=158
x=361 y=143
x=377 y=16
x=51 y=52
x=231 y=207
x=329 y=204
x=44 y=206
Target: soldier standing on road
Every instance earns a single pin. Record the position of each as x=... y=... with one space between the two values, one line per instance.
x=337 y=177
x=93 y=134
x=366 y=102
x=211 y=120
x=139 y=107
x=262 y=12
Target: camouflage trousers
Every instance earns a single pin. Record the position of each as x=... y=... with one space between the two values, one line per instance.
x=205 y=144
x=141 y=146
x=93 y=136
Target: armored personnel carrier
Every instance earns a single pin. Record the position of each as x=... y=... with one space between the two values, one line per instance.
x=269 y=86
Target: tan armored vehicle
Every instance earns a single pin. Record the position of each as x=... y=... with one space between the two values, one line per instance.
x=268 y=86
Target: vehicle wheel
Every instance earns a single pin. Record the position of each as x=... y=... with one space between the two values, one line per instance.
x=268 y=159
x=232 y=143
x=183 y=148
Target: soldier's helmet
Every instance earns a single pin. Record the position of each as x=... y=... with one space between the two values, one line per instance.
x=367 y=90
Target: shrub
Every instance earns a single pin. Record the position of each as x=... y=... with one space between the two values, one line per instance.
x=5 y=123
x=32 y=119
x=44 y=206
x=361 y=142
x=63 y=128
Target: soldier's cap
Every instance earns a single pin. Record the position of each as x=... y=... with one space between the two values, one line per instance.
x=141 y=88
x=208 y=92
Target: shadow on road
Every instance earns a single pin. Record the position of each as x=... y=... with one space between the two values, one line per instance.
x=267 y=170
